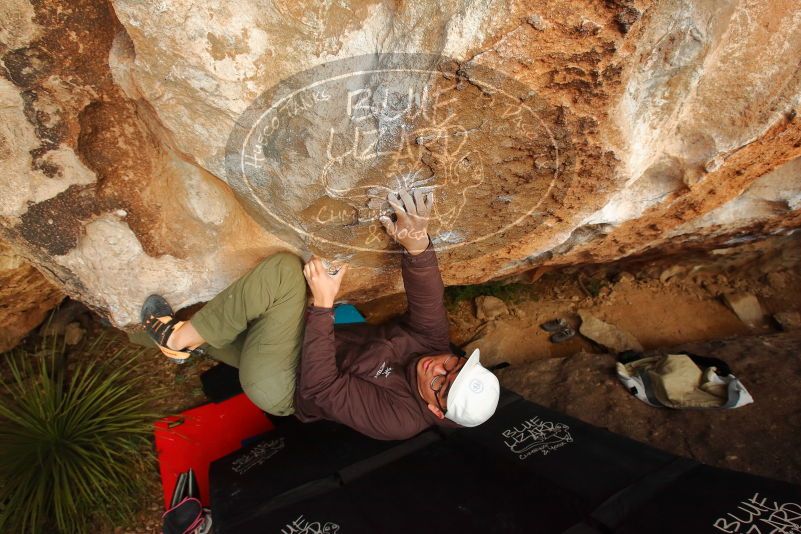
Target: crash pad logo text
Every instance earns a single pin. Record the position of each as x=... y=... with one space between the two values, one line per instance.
x=757 y=515
x=301 y=525
x=257 y=455
x=536 y=436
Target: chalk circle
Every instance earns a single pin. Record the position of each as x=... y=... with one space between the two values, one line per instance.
x=314 y=157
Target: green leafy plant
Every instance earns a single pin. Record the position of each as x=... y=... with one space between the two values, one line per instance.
x=513 y=292
x=73 y=437
x=592 y=286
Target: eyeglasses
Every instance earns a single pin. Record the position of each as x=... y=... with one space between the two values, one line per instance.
x=439 y=381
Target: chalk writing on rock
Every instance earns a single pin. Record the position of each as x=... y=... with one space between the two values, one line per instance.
x=315 y=156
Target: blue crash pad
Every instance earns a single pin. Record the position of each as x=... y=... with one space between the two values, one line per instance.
x=347 y=314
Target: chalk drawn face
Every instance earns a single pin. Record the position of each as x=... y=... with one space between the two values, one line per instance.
x=316 y=155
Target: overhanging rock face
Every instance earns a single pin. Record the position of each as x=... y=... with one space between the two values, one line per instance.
x=168 y=146
x=26 y=295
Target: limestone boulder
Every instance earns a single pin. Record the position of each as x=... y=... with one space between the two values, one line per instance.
x=746 y=306
x=152 y=146
x=608 y=335
x=26 y=298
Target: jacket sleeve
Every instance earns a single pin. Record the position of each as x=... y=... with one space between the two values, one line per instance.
x=345 y=398
x=318 y=366
x=426 y=315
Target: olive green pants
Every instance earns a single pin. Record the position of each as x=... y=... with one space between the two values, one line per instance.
x=256 y=325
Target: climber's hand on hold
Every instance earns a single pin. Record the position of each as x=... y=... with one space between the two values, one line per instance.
x=411 y=227
x=324 y=286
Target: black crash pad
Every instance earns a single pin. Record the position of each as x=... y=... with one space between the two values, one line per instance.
x=708 y=499
x=293 y=462
x=591 y=463
x=528 y=469
x=437 y=489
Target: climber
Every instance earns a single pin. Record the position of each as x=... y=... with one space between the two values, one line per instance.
x=388 y=381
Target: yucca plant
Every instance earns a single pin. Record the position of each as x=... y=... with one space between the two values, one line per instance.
x=73 y=437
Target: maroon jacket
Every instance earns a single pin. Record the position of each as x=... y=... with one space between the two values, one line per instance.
x=365 y=376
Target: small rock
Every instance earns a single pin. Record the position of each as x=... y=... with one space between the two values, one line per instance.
x=625 y=277
x=777 y=280
x=610 y=336
x=746 y=306
x=73 y=333
x=537 y=22
x=789 y=320
x=670 y=272
x=489 y=308
x=68 y=313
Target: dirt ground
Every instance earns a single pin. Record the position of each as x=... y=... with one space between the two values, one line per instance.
x=760 y=438
x=664 y=304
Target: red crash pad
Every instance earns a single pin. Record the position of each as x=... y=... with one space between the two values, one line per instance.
x=197 y=437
